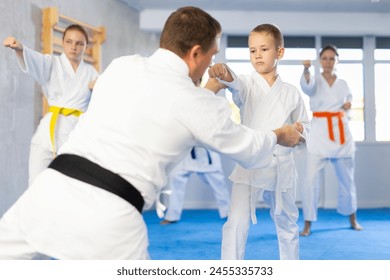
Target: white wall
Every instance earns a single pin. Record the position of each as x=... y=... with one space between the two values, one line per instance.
x=236 y=22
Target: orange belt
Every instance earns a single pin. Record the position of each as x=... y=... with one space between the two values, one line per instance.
x=329 y=116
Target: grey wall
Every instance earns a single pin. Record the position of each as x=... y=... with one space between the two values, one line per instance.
x=20 y=100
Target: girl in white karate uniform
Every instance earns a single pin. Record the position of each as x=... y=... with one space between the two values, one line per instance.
x=66 y=83
x=330 y=138
x=265 y=102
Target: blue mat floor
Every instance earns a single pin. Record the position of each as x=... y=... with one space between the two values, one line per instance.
x=198 y=237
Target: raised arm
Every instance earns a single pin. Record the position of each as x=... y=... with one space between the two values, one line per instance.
x=306 y=72
x=11 y=42
x=307 y=80
x=33 y=63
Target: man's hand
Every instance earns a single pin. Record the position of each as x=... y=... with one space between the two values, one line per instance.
x=220 y=71
x=213 y=85
x=288 y=136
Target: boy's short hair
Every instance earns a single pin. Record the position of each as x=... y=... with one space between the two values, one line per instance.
x=272 y=30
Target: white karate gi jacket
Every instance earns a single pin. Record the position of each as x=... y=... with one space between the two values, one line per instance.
x=325 y=98
x=62 y=86
x=267 y=108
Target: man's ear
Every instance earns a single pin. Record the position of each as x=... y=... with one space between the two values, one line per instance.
x=194 y=53
x=193 y=58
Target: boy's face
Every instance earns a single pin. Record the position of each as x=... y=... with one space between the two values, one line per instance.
x=264 y=54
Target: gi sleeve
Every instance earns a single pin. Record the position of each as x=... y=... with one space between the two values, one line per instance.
x=308 y=88
x=36 y=65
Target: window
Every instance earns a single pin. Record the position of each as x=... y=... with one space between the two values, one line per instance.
x=352 y=73
x=297 y=49
x=382 y=94
x=290 y=69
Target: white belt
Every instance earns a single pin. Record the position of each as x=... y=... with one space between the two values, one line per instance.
x=278 y=191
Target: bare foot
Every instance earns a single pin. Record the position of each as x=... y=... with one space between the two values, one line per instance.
x=306 y=230
x=354 y=223
x=167 y=222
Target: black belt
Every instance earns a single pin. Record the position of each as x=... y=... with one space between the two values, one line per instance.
x=193 y=155
x=86 y=171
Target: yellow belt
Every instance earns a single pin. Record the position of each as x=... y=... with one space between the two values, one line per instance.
x=56 y=111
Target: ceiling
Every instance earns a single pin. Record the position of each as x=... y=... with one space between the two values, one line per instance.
x=341 y=6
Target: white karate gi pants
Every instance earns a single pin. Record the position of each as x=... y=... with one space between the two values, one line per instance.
x=40 y=158
x=41 y=150
x=178 y=183
x=346 y=200
x=235 y=230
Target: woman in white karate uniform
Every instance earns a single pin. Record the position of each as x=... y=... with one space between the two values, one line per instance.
x=66 y=83
x=330 y=138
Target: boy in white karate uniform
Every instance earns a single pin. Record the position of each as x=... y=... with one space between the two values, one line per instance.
x=265 y=102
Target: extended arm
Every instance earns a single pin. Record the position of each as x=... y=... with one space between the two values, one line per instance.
x=11 y=42
x=306 y=72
